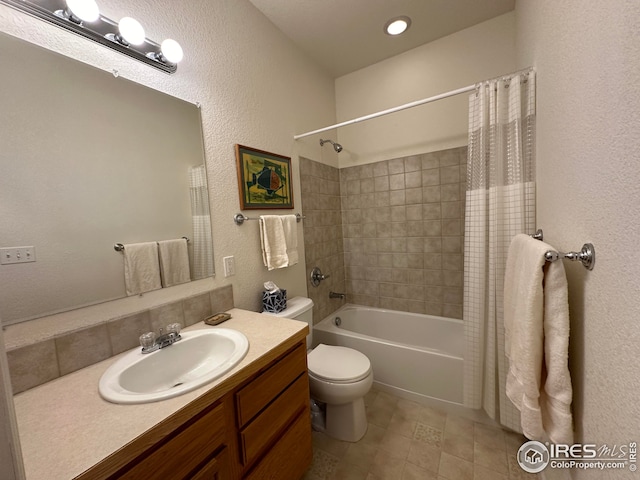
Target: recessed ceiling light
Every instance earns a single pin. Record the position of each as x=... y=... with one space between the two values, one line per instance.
x=397 y=25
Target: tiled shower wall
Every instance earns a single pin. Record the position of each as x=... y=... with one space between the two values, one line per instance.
x=402 y=232
x=323 y=243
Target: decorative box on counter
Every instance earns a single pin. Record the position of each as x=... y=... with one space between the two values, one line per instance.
x=274 y=302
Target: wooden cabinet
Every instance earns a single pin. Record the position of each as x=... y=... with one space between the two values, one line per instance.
x=272 y=410
x=258 y=429
x=182 y=456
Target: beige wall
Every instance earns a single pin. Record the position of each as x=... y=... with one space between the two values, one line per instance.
x=586 y=55
x=255 y=89
x=477 y=53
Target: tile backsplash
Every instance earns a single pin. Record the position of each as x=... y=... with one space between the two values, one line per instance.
x=37 y=363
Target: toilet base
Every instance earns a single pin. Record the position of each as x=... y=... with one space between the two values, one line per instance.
x=347 y=422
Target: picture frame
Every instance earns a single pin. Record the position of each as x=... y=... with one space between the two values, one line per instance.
x=264 y=179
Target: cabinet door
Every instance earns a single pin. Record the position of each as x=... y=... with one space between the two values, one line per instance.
x=290 y=457
x=183 y=452
x=216 y=469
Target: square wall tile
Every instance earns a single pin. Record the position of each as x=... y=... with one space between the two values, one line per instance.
x=124 y=332
x=222 y=299
x=33 y=365
x=196 y=309
x=83 y=348
x=164 y=315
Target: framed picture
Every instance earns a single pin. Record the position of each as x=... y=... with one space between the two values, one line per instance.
x=264 y=179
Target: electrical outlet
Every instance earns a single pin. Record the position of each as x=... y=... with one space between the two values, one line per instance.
x=10 y=255
x=229 y=266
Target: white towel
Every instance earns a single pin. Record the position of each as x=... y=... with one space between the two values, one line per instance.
x=536 y=321
x=290 y=228
x=174 y=262
x=141 y=268
x=272 y=239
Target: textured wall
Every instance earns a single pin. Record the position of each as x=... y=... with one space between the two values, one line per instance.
x=477 y=53
x=255 y=89
x=586 y=55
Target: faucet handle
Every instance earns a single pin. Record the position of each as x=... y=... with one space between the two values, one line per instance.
x=147 y=340
x=174 y=328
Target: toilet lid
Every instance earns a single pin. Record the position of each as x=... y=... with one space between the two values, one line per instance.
x=338 y=364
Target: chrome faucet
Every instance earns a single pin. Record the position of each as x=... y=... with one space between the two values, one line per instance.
x=337 y=295
x=150 y=342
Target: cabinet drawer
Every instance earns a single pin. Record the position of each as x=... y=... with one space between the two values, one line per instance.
x=179 y=456
x=290 y=457
x=215 y=469
x=260 y=392
x=270 y=423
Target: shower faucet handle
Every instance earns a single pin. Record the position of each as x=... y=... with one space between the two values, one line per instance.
x=317 y=276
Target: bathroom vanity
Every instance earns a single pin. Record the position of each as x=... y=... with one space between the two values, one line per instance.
x=251 y=423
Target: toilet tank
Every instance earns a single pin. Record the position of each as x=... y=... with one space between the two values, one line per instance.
x=298 y=308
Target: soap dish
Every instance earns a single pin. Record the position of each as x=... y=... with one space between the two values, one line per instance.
x=217 y=318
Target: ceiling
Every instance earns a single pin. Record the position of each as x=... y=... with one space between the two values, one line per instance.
x=346 y=35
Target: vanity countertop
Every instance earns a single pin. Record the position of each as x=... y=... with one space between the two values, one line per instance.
x=66 y=427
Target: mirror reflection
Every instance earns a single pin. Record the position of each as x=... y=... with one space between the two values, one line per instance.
x=89 y=160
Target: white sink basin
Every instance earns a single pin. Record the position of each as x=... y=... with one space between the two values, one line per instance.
x=200 y=357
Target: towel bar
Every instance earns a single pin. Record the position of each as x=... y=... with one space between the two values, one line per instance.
x=240 y=218
x=587 y=255
x=118 y=247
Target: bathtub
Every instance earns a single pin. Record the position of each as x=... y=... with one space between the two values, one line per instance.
x=415 y=356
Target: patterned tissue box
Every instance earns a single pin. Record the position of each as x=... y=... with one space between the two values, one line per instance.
x=274 y=302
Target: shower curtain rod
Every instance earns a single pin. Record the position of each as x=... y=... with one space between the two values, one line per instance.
x=390 y=110
x=408 y=105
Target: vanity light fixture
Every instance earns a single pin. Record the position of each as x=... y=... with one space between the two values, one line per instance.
x=397 y=25
x=83 y=18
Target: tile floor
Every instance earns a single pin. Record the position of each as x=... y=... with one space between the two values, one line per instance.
x=409 y=441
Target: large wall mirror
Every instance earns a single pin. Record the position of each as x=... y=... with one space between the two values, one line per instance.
x=88 y=160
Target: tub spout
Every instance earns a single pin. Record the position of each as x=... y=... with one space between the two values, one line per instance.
x=337 y=295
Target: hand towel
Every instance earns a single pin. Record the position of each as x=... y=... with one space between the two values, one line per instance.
x=141 y=268
x=272 y=239
x=290 y=228
x=174 y=262
x=536 y=321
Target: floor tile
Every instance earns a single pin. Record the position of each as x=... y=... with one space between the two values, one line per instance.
x=424 y=456
x=409 y=441
x=395 y=444
x=458 y=445
x=387 y=466
x=490 y=457
x=413 y=472
x=454 y=468
x=428 y=434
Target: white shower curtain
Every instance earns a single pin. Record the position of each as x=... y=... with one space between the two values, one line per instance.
x=202 y=242
x=500 y=203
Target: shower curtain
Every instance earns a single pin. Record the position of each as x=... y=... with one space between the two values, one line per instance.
x=500 y=203
x=202 y=242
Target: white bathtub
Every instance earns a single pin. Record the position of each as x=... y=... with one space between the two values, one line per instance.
x=418 y=355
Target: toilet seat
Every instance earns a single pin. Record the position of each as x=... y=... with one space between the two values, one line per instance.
x=338 y=364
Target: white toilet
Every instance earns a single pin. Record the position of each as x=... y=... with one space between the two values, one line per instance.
x=340 y=377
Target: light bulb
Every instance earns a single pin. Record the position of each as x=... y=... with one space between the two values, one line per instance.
x=85 y=10
x=131 y=31
x=171 y=50
x=397 y=25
